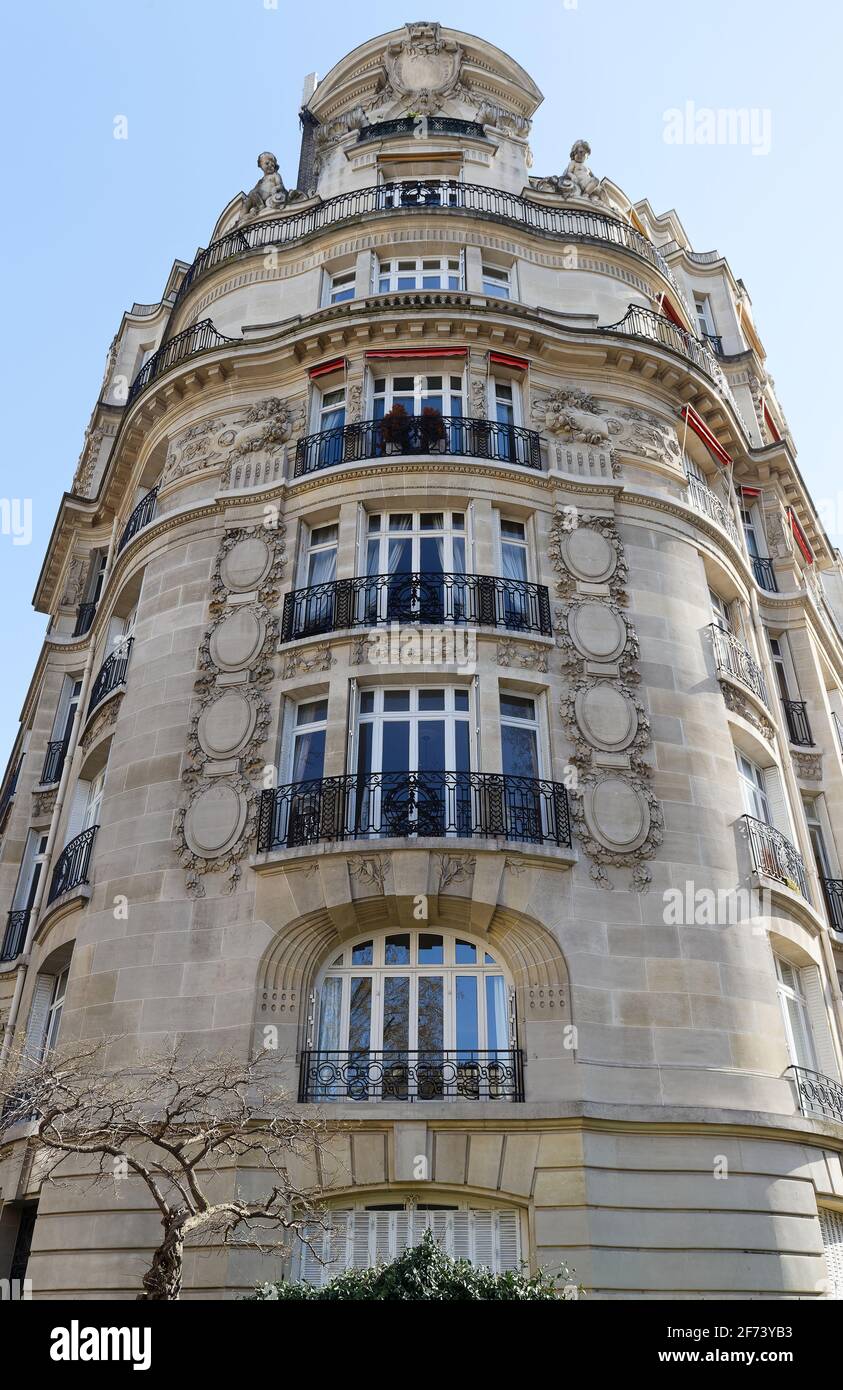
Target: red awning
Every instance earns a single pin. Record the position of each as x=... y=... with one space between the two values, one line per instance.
x=750 y=491
x=698 y=425
x=337 y=364
x=770 y=423
x=670 y=313
x=406 y=354
x=503 y=359
x=800 y=537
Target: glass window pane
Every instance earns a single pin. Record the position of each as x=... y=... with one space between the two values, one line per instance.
x=460 y=699
x=497 y=1025
x=360 y=1017
x=517 y=706
x=396 y=746
x=431 y=745
x=465 y=953
x=396 y=1013
x=396 y=700
x=329 y=1015
x=431 y=699
x=431 y=1021
x=431 y=521
x=397 y=950
x=465 y=1007
x=309 y=756
x=361 y=954
x=520 y=754
x=431 y=949
x=312 y=711
x=367 y=701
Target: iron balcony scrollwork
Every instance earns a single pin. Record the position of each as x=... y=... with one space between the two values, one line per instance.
x=798 y=726
x=447 y=195
x=818 y=1094
x=73 y=864
x=732 y=659
x=420 y=127
x=84 y=617
x=425 y=598
x=200 y=337
x=772 y=855
x=15 y=934
x=833 y=894
x=704 y=500
x=141 y=516
x=111 y=674
x=446 y=434
x=765 y=575
x=54 y=761
x=442 y=1074
x=400 y=805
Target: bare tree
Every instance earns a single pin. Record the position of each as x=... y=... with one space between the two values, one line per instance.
x=189 y=1125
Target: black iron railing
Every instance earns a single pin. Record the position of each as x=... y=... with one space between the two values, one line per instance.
x=732 y=659
x=833 y=894
x=454 y=1074
x=84 y=617
x=54 y=761
x=798 y=727
x=141 y=516
x=765 y=575
x=200 y=337
x=9 y=790
x=715 y=342
x=376 y=599
x=704 y=500
x=818 y=1094
x=111 y=674
x=638 y=322
x=72 y=864
x=447 y=434
x=421 y=127
x=774 y=856
x=435 y=195
x=15 y=934
x=397 y=805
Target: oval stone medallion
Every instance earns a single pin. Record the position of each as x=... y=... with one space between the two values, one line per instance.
x=238 y=640
x=588 y=555
x=617 y=814
x=226 y=725
x=607 y=717
x=215 y=820
x=245 y=564
x=597 y=631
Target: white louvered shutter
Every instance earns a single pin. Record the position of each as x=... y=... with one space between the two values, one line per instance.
x=509 y=1253
x=310 y=1268
x=358 y=1248
x=382 y=1230
x=779 y=813
x=812 y=988
x=36 y=1028
x=484 y=1239
x=831 y=1226
x=463 y=1244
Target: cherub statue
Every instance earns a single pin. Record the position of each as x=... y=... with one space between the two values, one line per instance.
x=269 y=192
x=578 y=180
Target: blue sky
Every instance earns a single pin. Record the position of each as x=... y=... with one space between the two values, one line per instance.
x=95 y=223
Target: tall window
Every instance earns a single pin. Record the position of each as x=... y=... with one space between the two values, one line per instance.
x=514 y=565
x=331 y=418
x=521 y=762
x=778 y=652
x=417 y=393
x=298 y=814
x=797 y=1022
x=31 y=869
x=419 y=553
x=721 y=611
x=359 y=1237
x=93 y=808
x=426 y=1006
x=817 y=834
x=753 y=788
x=751 y=531
x=307 y=759
x=423 y=732
x=705 y=317
x=56 y=1009
x=45 y=1012
x=497 y=281
x=420 y=273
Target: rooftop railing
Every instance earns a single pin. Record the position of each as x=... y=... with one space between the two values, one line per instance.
x=420 y=127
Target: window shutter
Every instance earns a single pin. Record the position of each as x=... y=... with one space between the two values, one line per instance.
x=812 y=988
x=484 y=1239
x=358 y=1254
x=382 y=1231
x=779 y=812
x=36 y=1028
x=831 y=1228
x=508 y=1244
x=310 y=1270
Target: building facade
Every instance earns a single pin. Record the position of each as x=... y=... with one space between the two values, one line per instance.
x=444 y=686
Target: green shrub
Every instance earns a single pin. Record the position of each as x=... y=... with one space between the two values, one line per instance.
x=423 y=1272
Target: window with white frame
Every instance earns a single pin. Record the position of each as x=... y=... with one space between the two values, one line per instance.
x=721 y=611
x=320 y=558
x=306 y=742
x=417 y=393
x=753 y=788
x=31 y=869
x=341 y=286
x=359 y=1237
x=781 y=662
x=45 y=1011
x=705 y=317
x=414 y=1015
x=816 y=831
x=831 y=1230
x=420 y=273
x=413 y=729
x=752 y=530
x=415 y=560
x=797 y=1021
x=497 y=281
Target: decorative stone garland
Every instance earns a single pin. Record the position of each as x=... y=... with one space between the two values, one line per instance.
x=617 y=819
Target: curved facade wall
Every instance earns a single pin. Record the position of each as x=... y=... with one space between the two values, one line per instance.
x=457 y=689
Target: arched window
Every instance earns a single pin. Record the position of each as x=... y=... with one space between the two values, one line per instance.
x=413 y=1015
x=361 y=1236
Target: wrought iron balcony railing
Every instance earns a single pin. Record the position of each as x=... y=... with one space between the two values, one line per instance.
x=446 y=434
x=774 y=856
x=200 y=337
x=715 y=342
x=54 y=761
x=9 y=791
x=818 y=1094
x=732 y=659
x=448 y=196
x=111 y=674
x=72 y=864
x=453 y=1074
x=833 y=894
x=84 y=617
x=765 y=575
x=704 y=500
x=798 y=727
x=427 y=598
x=397 y=805
x=420 y=127
x=141 y=516
x=15 y=934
